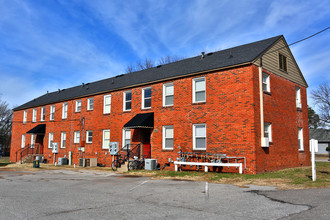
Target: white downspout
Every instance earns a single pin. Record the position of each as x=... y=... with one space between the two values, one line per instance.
x=262 y=128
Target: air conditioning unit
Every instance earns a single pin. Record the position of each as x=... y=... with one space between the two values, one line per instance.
x=82 y=162
x=298 y=104
x=63 y=161
x=150 y=164
x=265 y=142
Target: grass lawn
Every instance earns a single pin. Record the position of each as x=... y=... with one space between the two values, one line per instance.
x=4 y=161
x=293 y=178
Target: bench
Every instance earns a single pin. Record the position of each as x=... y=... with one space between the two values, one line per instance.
x=239 y=165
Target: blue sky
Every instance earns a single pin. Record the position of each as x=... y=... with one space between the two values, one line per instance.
x=55 y=44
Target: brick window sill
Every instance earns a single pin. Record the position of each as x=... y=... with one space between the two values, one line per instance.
x=299 y=109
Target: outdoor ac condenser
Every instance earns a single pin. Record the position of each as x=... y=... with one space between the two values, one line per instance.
x=150 y=164
x=82 y=162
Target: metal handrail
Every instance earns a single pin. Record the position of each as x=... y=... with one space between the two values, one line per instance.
x=130 y=153
x=27 y=150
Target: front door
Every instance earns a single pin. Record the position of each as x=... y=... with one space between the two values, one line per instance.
x=145 y=136
x=40 y=141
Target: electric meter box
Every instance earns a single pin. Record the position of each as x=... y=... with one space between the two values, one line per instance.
x=114 y=148
x=55 y=148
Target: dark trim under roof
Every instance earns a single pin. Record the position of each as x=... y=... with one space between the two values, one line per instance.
x=143 y=120
x=244 y=54
x=39 y=129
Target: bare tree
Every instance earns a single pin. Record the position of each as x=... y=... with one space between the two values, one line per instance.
x=6 y=120
x=130 y=68
x=168 y=59
x=321 y=97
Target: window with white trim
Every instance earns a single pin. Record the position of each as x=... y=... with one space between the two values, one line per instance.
x=23 y=141
x=24 y=116
x=63 y=139
x=268 y=131
x=50 y=140
x=107 y=104
x=52 y=112
x=298 y=97
x=33 y=140
x=146 y=98
x=76 y=138
x=126 y=138
x=168 y=94
x=106 y=139
x=78 y=106
x=168 y=137
x=199 y=90
x=300 y=139
x=89 y=137
x=199 y=136
x=90 y=104
x=43 y=114
x=65 y=110
x=34 y=115
x=127 y=103
x=265 y=82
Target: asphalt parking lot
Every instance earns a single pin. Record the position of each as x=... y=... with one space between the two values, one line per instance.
x=67 y=194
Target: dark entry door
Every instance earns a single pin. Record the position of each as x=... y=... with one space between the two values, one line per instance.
x=40 y=141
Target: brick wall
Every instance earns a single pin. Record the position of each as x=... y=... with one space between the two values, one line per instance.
x=231 y=115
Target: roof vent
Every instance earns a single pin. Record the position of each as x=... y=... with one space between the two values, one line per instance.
x=83 y=84
x=59 y=90
x=119 y=75
x=203 y=55
x=209 y=54
x=158 y=66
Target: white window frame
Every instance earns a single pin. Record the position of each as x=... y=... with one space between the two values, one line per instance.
x=33 y=139
x=143 y=98
x=76 y=139
x=63 y=139
x=300 y=139
x=107 y=106
x=194 y=89
x=52 y=113
x=164 y=137
x=298 y=97
x=87 y=137
x=42 y=113
x=124 y=138
x=125 y=109
x=89 y=105
x=24 y=116
x=265 y=81
x=23 y=141
x=78 y=104
x=195 y=137
x=50 y=139
x=105 y=142
x=34 y=115
x=166 y=95
x=65 y=110
x=268 y=130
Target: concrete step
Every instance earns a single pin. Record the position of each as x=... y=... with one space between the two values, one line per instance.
x=123 y=167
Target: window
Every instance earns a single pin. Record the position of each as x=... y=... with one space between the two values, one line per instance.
x=199 y=90
x=90 y=104
x=63 y=139
x=78 y=105
x=50 y=140
x=265 y=82
x=282 y=62
x=127 y=101
x=52 y=112
x=89 y=137
x=199 y=137
x=300 y=139
x=168 y=94
x=168 y=137
x=34 y=115
x=23 y=141
x=146 y=98
x=107 y=104
x=268 y=131
x=126 y=138
x=43 y=114
x=106 y=139
x=33 y=139
x=298 y=98
x=24 y=116
x=76 y=139
x=65 y=110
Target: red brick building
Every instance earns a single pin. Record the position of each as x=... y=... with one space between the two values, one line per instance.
x=248 y=101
